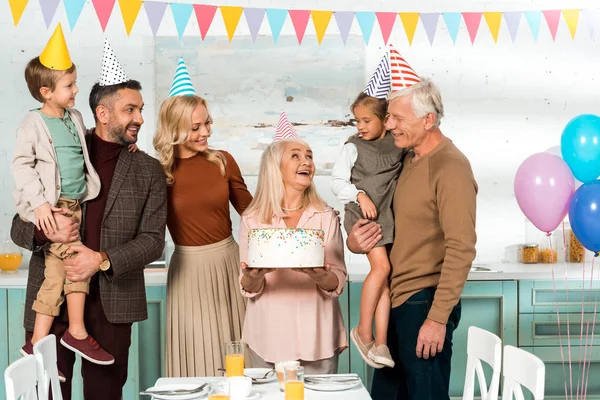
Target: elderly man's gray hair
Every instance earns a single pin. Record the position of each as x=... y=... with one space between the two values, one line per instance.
x=425 y=98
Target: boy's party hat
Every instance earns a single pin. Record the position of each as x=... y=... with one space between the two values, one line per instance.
x=380 y=83
x=284 y=129
x=112 y=72
x=182 y=84
x=402 y=74
x=56 y=54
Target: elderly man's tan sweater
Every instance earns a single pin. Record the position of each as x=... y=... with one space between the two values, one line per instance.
x=434 y=243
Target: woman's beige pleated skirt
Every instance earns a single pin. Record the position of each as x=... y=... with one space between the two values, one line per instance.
x=205 y=308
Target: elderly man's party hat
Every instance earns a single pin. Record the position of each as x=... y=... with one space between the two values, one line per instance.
x=402 y=74
x=284 y=129
x=112 y=72
x=182 y=84
x=56 y=54
x=380 y=84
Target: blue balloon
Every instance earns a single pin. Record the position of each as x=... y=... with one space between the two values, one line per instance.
x=584 y=215
x=580 y=146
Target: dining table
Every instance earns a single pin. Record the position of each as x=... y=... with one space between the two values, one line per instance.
x=270 y=390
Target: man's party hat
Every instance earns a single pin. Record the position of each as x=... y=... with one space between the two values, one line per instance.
x=112 y=71
x=56 y=54
x=380 y=83
x=284 y=129
x=403 y=75
x=182 y=84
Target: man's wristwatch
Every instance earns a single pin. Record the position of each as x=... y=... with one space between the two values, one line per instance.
x=105 y=264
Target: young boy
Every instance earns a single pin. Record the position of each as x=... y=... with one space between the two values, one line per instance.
x=52 y=170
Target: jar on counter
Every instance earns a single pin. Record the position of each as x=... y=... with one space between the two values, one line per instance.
x=548 y=249
x=530 y=253
x=576 y=249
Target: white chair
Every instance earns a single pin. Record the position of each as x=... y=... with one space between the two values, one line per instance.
x=20 y=379
x=44 y=351
x=482 y=346
x=522 y=368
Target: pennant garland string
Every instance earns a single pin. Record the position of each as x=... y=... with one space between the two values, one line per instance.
x=277 y=18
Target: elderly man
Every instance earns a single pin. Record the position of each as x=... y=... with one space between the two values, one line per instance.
x=123 y=230
x=434 y=246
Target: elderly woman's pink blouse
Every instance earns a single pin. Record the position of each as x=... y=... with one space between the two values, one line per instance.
x=291 y=318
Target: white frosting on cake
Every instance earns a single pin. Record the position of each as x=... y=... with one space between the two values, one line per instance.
x=286 y=248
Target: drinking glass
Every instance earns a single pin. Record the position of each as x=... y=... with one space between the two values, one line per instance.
x=294 y=383
x=234 y=359
x=219 y=390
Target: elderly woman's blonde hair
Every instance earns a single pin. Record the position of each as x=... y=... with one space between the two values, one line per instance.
x=174 y=124
x=425 y=98
x=266 y=203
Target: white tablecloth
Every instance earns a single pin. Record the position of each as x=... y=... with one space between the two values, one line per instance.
x=270 y=391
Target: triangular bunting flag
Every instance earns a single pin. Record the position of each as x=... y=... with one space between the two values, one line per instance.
x=73 y=9
x=571 y=18
x=182 y=84
x=344 y=22
x=155 y=10
x=472 y=20
x=254 y=19
x=493 y=20
x=410 y=21
x=300 y=20
x=16 y=8
x=181 y=14
x=56 y=54
x=48 y=10
x=380 y=84
x=231 y=17
x=284 y=129
x=430 y=21
x=129 y=10
x=321 y=21
x=112 y=72
x=591 y=17
x=512 y=19
x=401 y=73
x=205 y=15
x=276 y=18
x=452 y=20
x=534 y=19
x=366 y=20
x=386 y=24
x=552 y=18
x=103 y=10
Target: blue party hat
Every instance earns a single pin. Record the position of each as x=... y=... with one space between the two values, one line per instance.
x=380 y=83
x=182 y=84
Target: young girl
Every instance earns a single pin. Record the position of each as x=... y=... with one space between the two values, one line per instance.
x=364 y=179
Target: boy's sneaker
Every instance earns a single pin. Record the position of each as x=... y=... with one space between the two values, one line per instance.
x=28 y=349
x=381 y=354
x=87 y=348
x=363 y=349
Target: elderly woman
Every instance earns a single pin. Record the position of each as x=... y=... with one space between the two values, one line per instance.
x=293 y=314
x=204 y=306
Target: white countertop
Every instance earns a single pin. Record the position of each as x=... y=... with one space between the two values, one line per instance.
x=358 y=271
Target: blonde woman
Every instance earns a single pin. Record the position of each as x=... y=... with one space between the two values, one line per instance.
x=293 y=314
x=204 y=306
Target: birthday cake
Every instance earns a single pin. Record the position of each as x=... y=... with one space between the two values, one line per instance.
x=286 y=248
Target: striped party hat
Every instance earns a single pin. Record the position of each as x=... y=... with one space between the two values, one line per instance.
x=402 y=74
x=182 y=84
x=380 y=83
x=284 y=129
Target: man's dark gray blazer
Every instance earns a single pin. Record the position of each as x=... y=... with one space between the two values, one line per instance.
x=132 y=234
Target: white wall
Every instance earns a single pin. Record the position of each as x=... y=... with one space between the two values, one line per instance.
x=503 y=101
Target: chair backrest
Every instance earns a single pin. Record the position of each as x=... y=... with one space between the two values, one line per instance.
x=522 y=368
x=20 y=379
x=482 y=346
x=44 y=351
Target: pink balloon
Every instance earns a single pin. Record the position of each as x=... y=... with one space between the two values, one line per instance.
x=544 y=185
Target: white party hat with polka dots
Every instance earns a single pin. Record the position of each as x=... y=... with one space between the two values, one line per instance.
x=112 y=71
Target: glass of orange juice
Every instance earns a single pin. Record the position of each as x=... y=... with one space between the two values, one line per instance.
x=294 y=382
x=234 y=359
x=218 y=390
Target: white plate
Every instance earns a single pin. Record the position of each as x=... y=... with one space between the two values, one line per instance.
x=258 y=373
x=329 y=383
x=179 y=396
